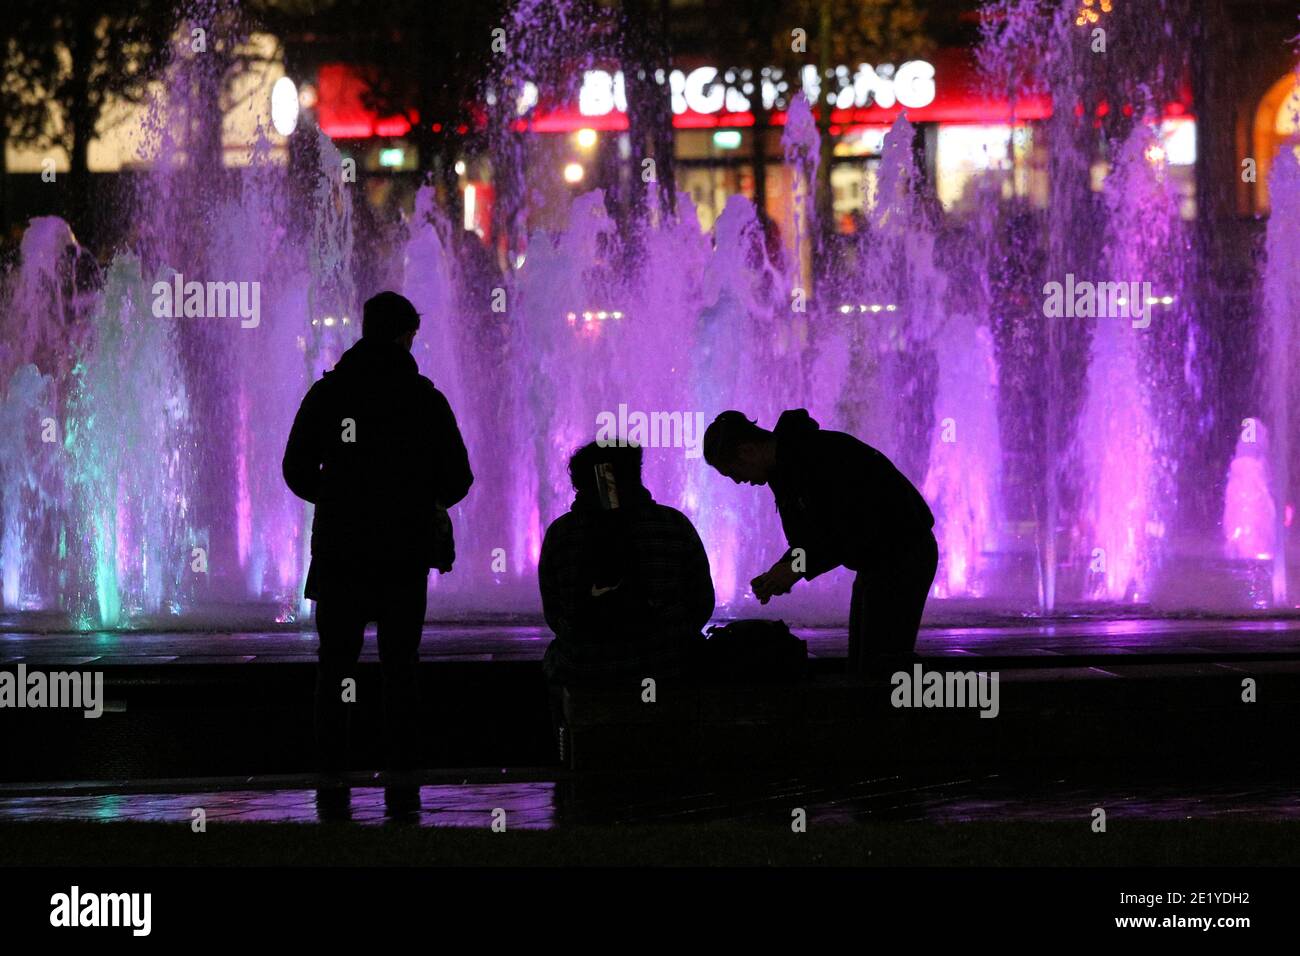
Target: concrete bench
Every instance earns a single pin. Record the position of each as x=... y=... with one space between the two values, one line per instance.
x=1067 y=715
x=726 y=725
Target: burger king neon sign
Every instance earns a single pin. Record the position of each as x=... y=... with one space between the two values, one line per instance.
x=704 y=90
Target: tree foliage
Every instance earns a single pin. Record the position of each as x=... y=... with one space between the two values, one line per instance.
x=67 y=60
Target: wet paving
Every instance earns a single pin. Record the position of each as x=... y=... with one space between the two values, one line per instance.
x=528 y=806
x=485 y=642
x=576 y=800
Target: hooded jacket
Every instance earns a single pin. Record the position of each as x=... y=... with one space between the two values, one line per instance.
x=841 y=501
x=376 y=448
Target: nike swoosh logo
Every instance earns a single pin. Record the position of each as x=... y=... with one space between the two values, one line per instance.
x=597 y=592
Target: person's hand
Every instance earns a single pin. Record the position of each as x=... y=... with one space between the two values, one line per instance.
x=779 y=579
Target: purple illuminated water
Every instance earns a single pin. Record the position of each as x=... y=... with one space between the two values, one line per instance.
x=139 y=456
x=1282 y=306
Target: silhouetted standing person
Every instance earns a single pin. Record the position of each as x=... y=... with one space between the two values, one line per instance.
x=841 y=502
x=376 y=448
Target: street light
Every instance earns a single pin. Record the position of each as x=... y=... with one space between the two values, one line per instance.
x=284 y=106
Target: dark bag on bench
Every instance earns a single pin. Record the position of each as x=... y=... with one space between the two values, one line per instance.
x=753 y=650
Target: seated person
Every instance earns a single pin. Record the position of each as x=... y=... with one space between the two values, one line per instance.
x=625 y=581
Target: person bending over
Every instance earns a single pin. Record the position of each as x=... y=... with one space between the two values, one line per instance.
x=841 y=502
